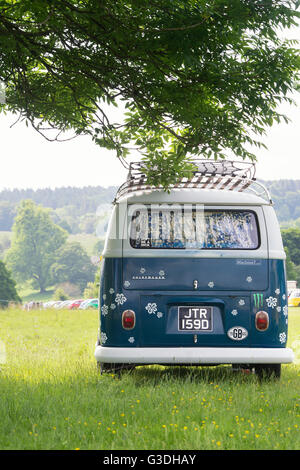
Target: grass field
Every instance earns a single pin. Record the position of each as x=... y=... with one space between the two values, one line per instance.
x=52 y=396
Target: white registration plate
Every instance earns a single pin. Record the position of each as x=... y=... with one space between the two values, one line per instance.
x=192 y=318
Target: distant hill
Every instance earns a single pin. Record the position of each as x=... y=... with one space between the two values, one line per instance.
x=286 y=197
x=84 y=199
x=78 y=210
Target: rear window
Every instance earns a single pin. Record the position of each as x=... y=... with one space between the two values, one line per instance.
x=179 y=228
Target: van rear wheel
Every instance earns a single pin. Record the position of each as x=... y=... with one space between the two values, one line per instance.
x=268 y=371
x=106 y=367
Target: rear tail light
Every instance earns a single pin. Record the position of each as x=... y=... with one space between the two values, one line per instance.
x=128 y=319
x=262 y=321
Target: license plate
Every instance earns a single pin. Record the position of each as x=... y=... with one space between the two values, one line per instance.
x=195 y=318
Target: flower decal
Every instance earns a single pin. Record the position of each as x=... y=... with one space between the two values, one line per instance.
x=161 y=272
x=277 y=291
x=159 y=314
x=278 y=309
x=271 y=302
x=282 y=337
x=234 y=312
x=120 y=299
x=151 y=307
x=111 y=290
x=285 y=310
x=142 y=270
x=249 y=279
x=126 y=283
x=104 y=309
x=104 y=296
x=283 y=297
x=103 y=338
x=131 y=339
x=211 y=284
x=112 y=306
x=241 y=302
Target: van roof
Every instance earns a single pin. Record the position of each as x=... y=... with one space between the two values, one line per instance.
x=193 y=195
x=216 y=182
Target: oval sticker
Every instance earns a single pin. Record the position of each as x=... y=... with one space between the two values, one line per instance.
x=237 y=333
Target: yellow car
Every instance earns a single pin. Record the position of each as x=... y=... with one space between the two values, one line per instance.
x=294 y=298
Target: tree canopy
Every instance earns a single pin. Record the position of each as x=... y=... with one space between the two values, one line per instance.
x=34 y=243
x=8 y=291
x=194 y=77
x=291 y=240
x=73 y=264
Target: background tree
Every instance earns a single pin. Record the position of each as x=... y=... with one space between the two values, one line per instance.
x=60 y=294
x=291 y=240
x=4 y=244
x=35 y=239
x=297 y=272
x=72 y=291
x=193 y=76
x=291 y=272
x=7 y=214
x=92 y=288
x=8 y=290
x=73 y=265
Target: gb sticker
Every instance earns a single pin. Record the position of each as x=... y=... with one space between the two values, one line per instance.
x=237 y=333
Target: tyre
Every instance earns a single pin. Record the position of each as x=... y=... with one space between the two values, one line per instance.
x=105 y=367
x=268 y=371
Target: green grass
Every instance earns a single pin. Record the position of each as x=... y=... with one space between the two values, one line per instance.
x=52 y=396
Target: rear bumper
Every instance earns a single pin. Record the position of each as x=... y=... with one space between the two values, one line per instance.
x=194 y=355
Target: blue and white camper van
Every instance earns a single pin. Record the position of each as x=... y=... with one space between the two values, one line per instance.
x=194 y=276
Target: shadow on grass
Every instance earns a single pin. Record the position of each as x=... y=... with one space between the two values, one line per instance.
x=184 y=374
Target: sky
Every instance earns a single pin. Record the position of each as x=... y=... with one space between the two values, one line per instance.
x=27 y=160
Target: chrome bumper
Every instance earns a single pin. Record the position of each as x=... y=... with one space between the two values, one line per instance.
x=194 y=355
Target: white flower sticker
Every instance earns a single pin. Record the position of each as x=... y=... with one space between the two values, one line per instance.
x=277 y=291
x=283 y=297
x=241 y=302
x=104 y=296
x=249 y=279
x=120 y=299
x=131 y=339
x=161 y=272
x=142 y=270
x=211 y=284
x=285 y=310
x=112 y=306
x=111 y=290
x=103 y=338
x=104 y=309
x=151 y=307
x=282 y=337
x=234 y=312
x=126 y=283
x=278 y=309
x=159 y=314
x=271 y=302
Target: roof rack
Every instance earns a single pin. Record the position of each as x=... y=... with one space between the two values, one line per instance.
x=219 y=175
